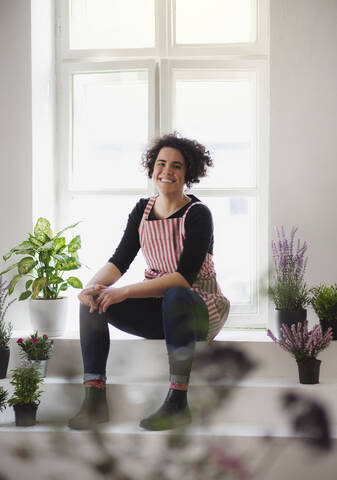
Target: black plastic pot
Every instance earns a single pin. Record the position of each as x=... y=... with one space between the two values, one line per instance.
x=308 y=370
x=325 y=324
x=290 y=318
x=4 y=359
x=25 y=414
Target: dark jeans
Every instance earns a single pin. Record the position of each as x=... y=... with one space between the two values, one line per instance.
x=180 y=317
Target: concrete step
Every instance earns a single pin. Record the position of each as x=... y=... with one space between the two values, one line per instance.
x=249 y=403
x=133 y=356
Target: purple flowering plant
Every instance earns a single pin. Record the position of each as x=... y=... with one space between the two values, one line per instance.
x=289 y=290
x=301 y=342
x=36 y=347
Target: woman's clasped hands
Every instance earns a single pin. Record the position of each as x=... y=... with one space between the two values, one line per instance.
x=101 y=297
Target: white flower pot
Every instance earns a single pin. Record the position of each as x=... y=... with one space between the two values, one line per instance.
x=41 y=366
x=49 y=316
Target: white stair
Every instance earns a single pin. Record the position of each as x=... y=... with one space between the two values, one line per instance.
x=137 y=383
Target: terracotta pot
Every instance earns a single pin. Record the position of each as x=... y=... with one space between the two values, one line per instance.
x=308 y=370
x=289 y=318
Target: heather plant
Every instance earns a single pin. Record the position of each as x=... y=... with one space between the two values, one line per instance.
x=290 y=262
x=45 y=260
x=289 y=291
x=302 y=343
x=36 y=347
x=5 y=329
x=324 y=302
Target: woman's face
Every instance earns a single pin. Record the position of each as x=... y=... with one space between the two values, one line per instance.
x=169 y=171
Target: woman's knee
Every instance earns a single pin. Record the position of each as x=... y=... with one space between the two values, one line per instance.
x=177 y=295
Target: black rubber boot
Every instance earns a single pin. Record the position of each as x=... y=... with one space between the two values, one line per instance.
x=94 y=410
x=173 y=413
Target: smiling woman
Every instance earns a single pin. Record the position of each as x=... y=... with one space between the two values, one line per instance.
x=179 y=301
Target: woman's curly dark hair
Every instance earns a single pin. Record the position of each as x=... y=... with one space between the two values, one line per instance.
x=197 y=157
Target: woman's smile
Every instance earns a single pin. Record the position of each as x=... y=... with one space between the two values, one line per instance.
x=169 y=170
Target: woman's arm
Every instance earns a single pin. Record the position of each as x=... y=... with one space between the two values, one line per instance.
x=107 y=275
x=150 y=288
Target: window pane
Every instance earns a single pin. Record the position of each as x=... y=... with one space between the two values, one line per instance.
x=220 y=113
x=103 y=221
x=102 y=24
x=234 y=246
x=214 y=21
x=110 y=129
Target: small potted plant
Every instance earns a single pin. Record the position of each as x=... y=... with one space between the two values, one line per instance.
x=324 y=302
x=288 y=291
x=3 y=399
x=304 y=345
x=5 y=328
x=46 y=258
x=25 y=399
x=36 y=350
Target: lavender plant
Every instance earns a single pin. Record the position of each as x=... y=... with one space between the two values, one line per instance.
x=302 y=343
x=289 y=291
x=290 y=263
x=5 y=329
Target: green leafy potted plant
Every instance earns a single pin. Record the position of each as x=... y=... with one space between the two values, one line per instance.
x=288 y=291
x=304 y=345
x=3 y=399
x=25 y=399
x=37 y=350
x=5 y=328
x=46 y=258
x=324 y=302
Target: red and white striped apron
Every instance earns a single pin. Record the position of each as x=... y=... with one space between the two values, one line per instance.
x=162 y=242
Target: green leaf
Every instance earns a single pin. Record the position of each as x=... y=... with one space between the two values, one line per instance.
x=71 y=264
x=61 y=258
x=63 y=287
x=45 y=256
x=59 y=244
x=47 y=246
x=67 y=228
x=34 y=241
x=55 y=279
x=14 y=281
x=21 y=249
x=10 y=268
x=28 y=283
x=42 y=230
x=25 y=295
x=75 y=282
x=75 y=244
x=26 y=265
x=38 y=285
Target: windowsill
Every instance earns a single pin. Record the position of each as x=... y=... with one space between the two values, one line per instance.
x=228 y=335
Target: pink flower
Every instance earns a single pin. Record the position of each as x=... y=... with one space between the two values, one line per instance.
x=20 y=340
x=45 y=337
x=34 y=340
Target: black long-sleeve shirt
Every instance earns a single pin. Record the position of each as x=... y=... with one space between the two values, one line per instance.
x=198 y=238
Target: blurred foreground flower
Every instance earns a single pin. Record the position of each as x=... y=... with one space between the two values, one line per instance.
x=309 y=419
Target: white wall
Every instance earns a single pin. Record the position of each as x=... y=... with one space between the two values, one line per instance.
x=303 y=133
x=15 y=131
x=26 y=125
x=303 y=140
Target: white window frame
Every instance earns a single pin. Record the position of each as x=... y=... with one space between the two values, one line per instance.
x=166 y=56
